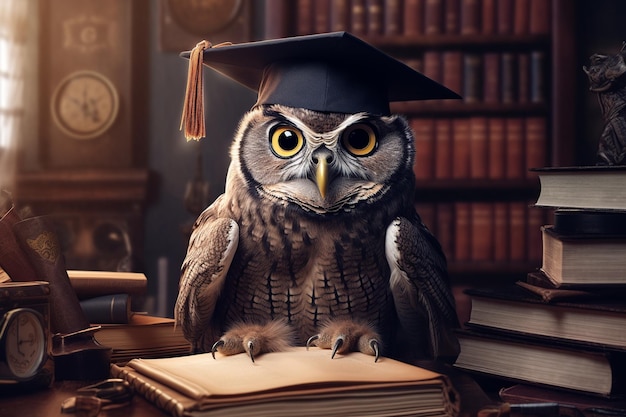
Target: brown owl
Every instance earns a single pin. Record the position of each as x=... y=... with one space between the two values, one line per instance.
x=315 y=239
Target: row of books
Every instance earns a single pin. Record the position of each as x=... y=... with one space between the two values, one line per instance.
x=479 y=147
x=485 y=231
x=563 y=326
x=425 y=17
x=493 y=77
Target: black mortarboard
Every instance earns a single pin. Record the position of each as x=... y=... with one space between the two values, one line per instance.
x=331 y=72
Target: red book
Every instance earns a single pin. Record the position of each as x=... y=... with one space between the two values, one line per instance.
x=392 y=17
x=443 y=148
x=481 y=231
x=413 y=17
x=517 y=231
x=322 y=16
x=536 y=144
x=424 y=131
x=433 y=17
x=452 y=70
x=504 y=13
x=460 y=148
x=521 y=17
x=462 y=231
x=339 y=15
x=305 y=17
x=497 y=148
x=509 y=78
x=515 y=158
x=488 y=17
x=472 y=77
x=433 y=65
x=374 y=13
x=478 y=147
x=452 y=16
x=540 y=17
x=501 y=237
x=445 y=230
x=491 y=77
x=358 y=22
x=470 y=17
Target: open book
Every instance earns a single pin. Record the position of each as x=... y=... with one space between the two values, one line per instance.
x=296 y=382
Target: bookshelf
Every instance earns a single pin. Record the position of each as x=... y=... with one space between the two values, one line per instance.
x=511 y=60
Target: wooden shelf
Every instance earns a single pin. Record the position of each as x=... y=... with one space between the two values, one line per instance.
x=447 y=108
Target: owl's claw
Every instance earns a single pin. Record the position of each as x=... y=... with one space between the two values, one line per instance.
x=311 y=339
x=375 y=348
x=216 y=345
x=338 y=343
x=251 y=350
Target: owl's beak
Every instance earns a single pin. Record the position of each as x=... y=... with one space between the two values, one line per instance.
x=321 y=176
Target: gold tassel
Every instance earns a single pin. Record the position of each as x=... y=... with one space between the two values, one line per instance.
x=192 y=120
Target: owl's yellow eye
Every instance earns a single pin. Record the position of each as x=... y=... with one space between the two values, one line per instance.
x=286 y=141
x=359 y=139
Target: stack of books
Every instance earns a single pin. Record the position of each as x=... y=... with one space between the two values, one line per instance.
x=562 y=329
x=107 y=300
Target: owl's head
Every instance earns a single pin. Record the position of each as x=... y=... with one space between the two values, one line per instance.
x=322 y=162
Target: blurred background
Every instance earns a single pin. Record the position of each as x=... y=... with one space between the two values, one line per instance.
x=91 y=95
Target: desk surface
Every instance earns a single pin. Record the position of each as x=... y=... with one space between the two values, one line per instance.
x=46 y=402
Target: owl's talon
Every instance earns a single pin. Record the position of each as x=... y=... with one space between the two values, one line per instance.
x=338 y=343
x=311 y=339
x=251 y=350
x=375 y=348
x=216 y=345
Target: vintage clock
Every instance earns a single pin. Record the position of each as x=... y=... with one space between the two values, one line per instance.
x=24 y=329
x=85 y=104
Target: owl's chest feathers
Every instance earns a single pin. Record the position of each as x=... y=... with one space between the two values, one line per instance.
x=307 y=268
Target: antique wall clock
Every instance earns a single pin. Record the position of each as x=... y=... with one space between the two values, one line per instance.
x=85 y=104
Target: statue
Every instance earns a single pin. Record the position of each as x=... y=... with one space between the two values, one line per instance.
x=606 y=77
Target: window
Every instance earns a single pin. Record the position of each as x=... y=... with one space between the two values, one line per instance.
x=13 y=36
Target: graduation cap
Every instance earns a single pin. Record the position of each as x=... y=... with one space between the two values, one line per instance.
x=330 y=72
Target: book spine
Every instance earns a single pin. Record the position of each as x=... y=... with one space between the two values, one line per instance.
x=374 y=13
x=451 y=17
x=305 y=16
x=478 y=147
x=443 y=148
x=460 y=148
x=321 y=15
x=152 y=394
x=521 y=17
x=107 y=309
x=392 y=17
x=540 y=17
x=515 y=148
x=504 y=13
x=452 y=70
x=481 y=232
x=413 y=17
x=488 y=17
x=472 y=77
x=497 y=148
x=491 y=77
x=462 y=231
x=470 y=17
x=358 y=21
x=339 y=15
x=433 y=17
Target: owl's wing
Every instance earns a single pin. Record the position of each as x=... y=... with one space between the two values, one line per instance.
x=420 y=287
x=212 y=247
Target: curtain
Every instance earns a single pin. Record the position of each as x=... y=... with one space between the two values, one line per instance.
x=13 y=49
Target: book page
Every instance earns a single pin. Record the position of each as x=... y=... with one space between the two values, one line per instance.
x=201 y=376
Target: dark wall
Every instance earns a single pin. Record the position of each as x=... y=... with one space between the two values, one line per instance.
x=172 y=159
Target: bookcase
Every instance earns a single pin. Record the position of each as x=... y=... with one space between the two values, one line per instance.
x=511 y=61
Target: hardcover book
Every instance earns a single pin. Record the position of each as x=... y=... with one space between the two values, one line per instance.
x=587 y=187
x=571 y=366
x=296 y=382
x=597 y=321
x=583 y=260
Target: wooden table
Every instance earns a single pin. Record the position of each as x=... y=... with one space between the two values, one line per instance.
x=46 y=402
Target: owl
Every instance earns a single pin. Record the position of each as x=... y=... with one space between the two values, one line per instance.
x=316 y=240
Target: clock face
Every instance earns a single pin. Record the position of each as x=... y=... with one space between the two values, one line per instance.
x=85 y=104
x=24 y=342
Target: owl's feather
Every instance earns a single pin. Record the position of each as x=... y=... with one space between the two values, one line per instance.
x=358 y=254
